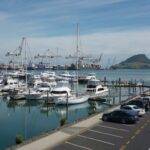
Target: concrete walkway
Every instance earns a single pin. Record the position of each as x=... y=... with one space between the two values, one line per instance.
x=48 y=142
x=52 y=140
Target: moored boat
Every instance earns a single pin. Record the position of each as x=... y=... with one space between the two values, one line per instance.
x=73 y=99
x=33 y=95
x=96 y=90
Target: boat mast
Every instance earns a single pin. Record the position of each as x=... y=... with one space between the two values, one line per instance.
x=77 y=51
x=77 y=48
x=20 y=50
x=26 y=68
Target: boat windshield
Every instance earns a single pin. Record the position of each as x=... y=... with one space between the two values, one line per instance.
x=91 y=86
x=59 y=92
x=100 y=89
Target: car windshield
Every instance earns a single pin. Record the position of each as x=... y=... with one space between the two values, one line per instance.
x=135 y=107
x=127 y=107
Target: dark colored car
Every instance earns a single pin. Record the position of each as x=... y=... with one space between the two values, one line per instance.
x=121 y=116
x=138 y=103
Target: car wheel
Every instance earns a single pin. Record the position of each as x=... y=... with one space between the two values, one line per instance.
x=123 y=121
x=104 y=118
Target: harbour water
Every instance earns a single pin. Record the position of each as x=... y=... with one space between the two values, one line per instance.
x=32 y=118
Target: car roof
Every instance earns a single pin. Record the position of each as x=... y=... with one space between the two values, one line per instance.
x=130 y=112
x=131 y=106
x=120 y=110
x=135 y=102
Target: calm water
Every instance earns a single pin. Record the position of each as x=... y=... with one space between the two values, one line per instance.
x=33 y=118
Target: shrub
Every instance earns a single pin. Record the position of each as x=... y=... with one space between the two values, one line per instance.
x=63 y=121
x=19 y=139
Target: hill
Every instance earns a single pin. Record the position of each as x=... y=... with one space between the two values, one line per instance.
x=140 y=61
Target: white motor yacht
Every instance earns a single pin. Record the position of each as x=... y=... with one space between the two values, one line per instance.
x=96 y=90
x=60 y=92
x=68 y=77
x=43 y=86
x=86 y=78
x=48 y=76
x=20 y=74
x=38 y=92
x=11 y=84
x=91 y=76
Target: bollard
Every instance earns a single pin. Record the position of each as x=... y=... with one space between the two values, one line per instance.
x=140 y=89
x=47 y=96
x=67 y=107
x=105 y=80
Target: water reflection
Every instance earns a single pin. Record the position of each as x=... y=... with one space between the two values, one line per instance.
x=32 y=118
x=72 y=109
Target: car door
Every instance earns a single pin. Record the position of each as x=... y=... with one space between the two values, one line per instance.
x=127 y=108
x=123 y=115
x=115 y=116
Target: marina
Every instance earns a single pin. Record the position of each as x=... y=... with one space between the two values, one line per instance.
x=96 y=132
x=74 y=74
x=31 y=118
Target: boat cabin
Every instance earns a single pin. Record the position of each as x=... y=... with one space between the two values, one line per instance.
x=94 y=86
x=61 y=91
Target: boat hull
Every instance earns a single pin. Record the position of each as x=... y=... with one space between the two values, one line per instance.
x=33 y=96
x=96 y=96
x=17 y=97
x=72 y=100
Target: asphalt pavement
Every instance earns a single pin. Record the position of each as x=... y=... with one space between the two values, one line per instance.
x=112 y=136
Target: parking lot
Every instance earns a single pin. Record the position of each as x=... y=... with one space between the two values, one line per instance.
x=108 y=136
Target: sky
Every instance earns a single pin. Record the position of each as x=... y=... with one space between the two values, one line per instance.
x=116 y=28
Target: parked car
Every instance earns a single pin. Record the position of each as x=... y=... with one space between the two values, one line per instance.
x=138 y=103
x=121 y=116
x=146 y=100
x=140 y=111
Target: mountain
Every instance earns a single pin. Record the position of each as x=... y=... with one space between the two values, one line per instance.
x=140 y=61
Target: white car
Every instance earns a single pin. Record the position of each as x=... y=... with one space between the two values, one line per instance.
x=140 y=111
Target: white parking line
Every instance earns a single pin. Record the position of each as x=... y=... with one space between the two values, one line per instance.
x=142 y=118
x=113 y=128
x=76 y=145
x=117 y=136
x=128 y=125
x=90 y=138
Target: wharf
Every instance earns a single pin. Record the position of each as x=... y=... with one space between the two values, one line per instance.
x=49 y=141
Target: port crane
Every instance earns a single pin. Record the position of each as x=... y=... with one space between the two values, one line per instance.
x=47 y=55
x=18 y=52
x=83 y=59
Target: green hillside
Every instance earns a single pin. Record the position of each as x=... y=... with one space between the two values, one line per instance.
x=140 y=61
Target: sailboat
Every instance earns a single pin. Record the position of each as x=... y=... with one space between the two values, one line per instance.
x=75 y=98
x=19 y=93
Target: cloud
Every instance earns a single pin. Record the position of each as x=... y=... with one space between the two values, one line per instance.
x=115 y=43
x=4 y=16
x=49 y=18
x=109 y=42
x=119 y=44
x=107 y=26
